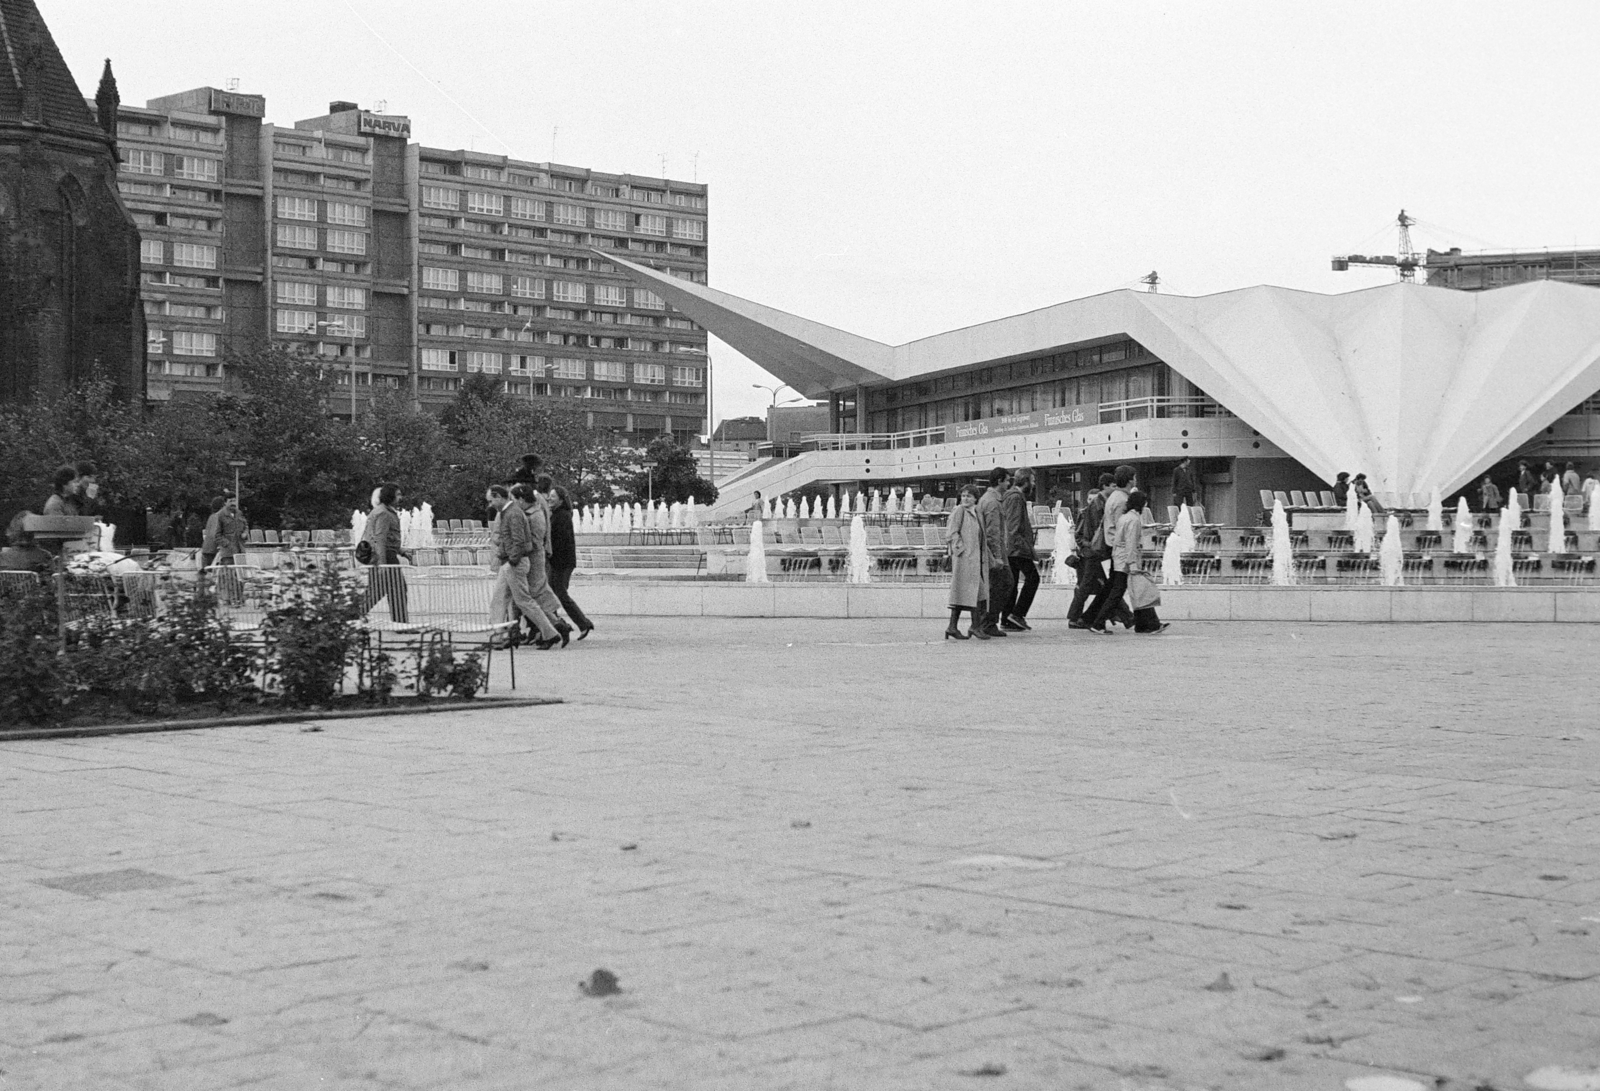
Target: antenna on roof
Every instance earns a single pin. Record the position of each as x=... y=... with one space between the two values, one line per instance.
x=696 y=161
x=233 y=83
x=554 y=129
x=381 y=106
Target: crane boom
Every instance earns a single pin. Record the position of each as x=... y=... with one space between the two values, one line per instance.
x=1406 y=262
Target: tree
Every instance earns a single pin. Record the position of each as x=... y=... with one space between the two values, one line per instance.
x=674 y=478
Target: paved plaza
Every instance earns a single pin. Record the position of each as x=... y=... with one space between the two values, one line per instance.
x=841 y=854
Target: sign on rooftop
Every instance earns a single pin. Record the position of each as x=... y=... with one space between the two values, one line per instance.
x=232 y=102
x=383 y=125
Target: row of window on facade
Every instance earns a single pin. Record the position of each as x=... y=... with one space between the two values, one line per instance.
x=530 y=208
x=152 y=129
x=600 y=371
x=556 y=337
x=1146 y=381
x=542 y=180
x=562 y=291
x=196 y=168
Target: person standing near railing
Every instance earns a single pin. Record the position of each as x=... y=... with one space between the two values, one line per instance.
x=1185 y=484
x=382 y=535
x=222 y=544
x=513 y=543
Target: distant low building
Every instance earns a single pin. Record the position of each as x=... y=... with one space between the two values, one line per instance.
x=742 y=434
x=1477 y=272
x=788 y=425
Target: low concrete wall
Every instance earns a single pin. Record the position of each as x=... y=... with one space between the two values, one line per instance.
x=687 y=598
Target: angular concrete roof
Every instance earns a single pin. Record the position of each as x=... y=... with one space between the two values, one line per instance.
x=1415 y=386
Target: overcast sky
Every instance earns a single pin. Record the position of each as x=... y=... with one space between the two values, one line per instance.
x=901 y=168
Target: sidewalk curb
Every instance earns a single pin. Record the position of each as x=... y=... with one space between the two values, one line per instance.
x=477 y=704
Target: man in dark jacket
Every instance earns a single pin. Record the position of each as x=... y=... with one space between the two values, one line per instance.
x=513 y=543
x=1094 y=550
x=996 y=553
x=563 y=550
x=384 y=578
x=1185 y=484
x=1019 y=552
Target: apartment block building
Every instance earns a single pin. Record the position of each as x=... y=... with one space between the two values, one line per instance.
x=407 y=268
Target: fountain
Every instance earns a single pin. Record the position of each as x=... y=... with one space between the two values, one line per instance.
x=1558 y=520
x=858 y=565
x=1062 y=573
x=1436 y=511
x=766 y=508
x=861 y=502
x=789 y=511
x=358 y=525
x=1363 y=542
x=1352 y=511
x=1183 y=530
x=1463 y=528
x=691 y=514
x=891 y=506
x=1172 y=562
x=1391 y=555
x=1504 y=576
x=1593 y=499
x=832 y=510
x=1283 y=545
x=428 y=540
x=755 y=563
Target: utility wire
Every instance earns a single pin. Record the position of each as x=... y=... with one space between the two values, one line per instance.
x=432 y=82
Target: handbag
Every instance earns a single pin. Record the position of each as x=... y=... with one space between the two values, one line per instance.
x=363 y=552
x=1142 y=591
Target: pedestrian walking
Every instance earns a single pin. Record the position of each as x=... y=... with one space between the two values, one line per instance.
x=513 y=541
x=538 y=512
x=1127 y=553
x=992 y=515
x=1107 y=602
x=1093 y=553
x=220 y=546
x=385 y=579
x=563 y=551
x=1020 y=556
x=969 y=569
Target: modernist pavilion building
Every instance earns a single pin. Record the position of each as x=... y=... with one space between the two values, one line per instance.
x=1265 y=388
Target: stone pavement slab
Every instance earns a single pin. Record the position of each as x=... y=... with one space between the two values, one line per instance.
x=839 y=854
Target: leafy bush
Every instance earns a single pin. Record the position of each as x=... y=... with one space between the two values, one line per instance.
x=32 y=679
x=186 y=656
x=442 y=672
x=315 y=629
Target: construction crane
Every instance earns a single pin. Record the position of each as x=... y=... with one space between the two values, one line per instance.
x=1406 y=262
x=1152 y=279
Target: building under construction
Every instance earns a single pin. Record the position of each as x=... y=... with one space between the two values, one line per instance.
x=1496 y=269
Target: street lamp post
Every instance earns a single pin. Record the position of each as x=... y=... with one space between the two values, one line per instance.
x=339 y=325
x=237 y=464
x=650 y=481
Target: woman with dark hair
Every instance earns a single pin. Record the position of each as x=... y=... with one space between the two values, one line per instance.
x=64 y=499
x=382 y=534
x=563 y=550
x=969 y=568
x=1143 y=595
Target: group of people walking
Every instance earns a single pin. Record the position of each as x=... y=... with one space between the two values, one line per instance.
x=536 y=553
x=994 y=566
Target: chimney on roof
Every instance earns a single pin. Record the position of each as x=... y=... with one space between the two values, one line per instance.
x=341 y=107
x=106 y=101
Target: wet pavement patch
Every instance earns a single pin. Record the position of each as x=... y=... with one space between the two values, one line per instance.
x=1383 y=1083
x=110 y=882
x=204 y=1019
x=990 y=1069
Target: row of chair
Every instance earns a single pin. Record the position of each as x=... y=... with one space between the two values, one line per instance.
x=1316 y=540
x=297 y=537
x=1440 y=568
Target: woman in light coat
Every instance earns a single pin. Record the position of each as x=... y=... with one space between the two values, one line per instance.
x=969 y=568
